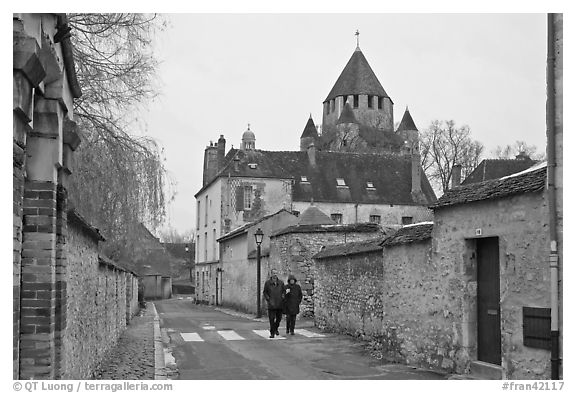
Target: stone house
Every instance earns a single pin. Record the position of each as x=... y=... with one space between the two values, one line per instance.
x=490 y=244
x=358 y=170
x=237 y=274
x=490 y=169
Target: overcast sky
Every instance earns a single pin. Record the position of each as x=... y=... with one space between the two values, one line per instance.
x=220 y=72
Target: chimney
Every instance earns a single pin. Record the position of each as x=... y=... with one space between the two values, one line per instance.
x=456 y=175
x=312 y=154
x=522 y=156
x=221 y=151
x=210 y=163
x=416 y=173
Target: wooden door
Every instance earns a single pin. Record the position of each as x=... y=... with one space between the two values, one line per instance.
x=489 y=336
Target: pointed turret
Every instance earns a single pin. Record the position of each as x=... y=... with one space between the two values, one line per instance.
x=309 y=135
x=407 y=122
x=408 y=131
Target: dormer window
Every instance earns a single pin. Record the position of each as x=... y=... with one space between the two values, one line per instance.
x=370 y=185
x=340 y=182
x=303 y=179
x=253 y=165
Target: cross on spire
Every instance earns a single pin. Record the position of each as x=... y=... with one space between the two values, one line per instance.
x=357 y=34
x=248 y=126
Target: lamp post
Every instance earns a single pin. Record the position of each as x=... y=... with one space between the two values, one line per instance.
x=258 y=236
x=189 y=262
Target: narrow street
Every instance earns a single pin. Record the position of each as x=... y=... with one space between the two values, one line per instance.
x=207 y=343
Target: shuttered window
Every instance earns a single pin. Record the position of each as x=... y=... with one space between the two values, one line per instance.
x=536 y=324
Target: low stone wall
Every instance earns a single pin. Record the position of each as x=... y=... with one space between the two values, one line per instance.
x=291 y=252
x=100 y=299
x=418 y=306
x=348 y=294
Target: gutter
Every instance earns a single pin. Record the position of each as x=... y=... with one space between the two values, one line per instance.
x=551 y=147
x=68 y=55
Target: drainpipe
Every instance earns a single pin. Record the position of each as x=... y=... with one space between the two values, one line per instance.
x=553 y=257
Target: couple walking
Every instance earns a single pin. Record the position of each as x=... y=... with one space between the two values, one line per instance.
x=282 y=299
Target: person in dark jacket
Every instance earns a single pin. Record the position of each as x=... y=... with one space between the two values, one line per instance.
x=274 y=296
x=292 y=300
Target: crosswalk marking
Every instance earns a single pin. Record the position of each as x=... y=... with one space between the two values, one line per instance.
x=208 y=327
x=230 y=335
x=308 y=333
x=191 y=337
x=266 y=334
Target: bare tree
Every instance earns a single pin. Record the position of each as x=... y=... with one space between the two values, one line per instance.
x=119 y=177
x=519 y=147
x=444 y=145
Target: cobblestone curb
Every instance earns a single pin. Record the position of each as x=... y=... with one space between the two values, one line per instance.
x=159 y=363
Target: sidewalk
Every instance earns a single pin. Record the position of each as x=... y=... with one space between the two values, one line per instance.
x=133 y=355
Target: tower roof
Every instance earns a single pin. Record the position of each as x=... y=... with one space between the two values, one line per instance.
x=347 y=115
x=357 y=78
x=407 y=122
x=310 y=129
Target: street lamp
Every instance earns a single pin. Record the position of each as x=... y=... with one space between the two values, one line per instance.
x=187 y=249
x=258 y=236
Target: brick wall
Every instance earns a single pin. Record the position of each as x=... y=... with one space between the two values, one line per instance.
x=291 y=253
x=348 y=294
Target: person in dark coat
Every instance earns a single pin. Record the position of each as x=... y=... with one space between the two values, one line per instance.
x=274 y=296
x=292 y=300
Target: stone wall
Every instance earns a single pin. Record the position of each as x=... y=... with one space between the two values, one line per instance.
x=348 y=294
x=291 y=253
x=521 y=224
x=419 y=303
x=101 y=297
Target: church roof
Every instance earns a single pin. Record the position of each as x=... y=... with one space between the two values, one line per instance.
x=407 y=122
x=497 y=168
x=314 y=216
x=357 y=78
x=347 y=115
x=310 y=129
x=390 y=174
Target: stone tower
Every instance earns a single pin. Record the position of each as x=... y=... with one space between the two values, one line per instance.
x=358 y=86
x=309 y=135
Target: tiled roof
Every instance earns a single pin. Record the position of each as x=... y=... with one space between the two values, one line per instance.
x=357 y=78
x=496 y=168
x=347 y=115
x=310 y=129
x=407 y=122
x=391 y=175
x=351 y=248
x=531 y=181
x=244 y=228
x=346 y=228
x=409 y=234
x=314 y=216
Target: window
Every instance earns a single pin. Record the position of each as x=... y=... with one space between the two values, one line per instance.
x=340 y=182
x=327 y=107
x=304 y=179
x=336 y=217
x=198 y=247
x=214 y=245
x=370 y=185
x=536 y=327
x=247 y=197
x=205 y=246
x=380 y=102
x=375 y=219
x=407 y=220
x=198 y=216
x=370 y=103
x=356 y=100
x=206 y=212
x=296 y=213
x=331 y=105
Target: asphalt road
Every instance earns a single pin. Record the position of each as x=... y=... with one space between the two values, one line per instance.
x=210 y=344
